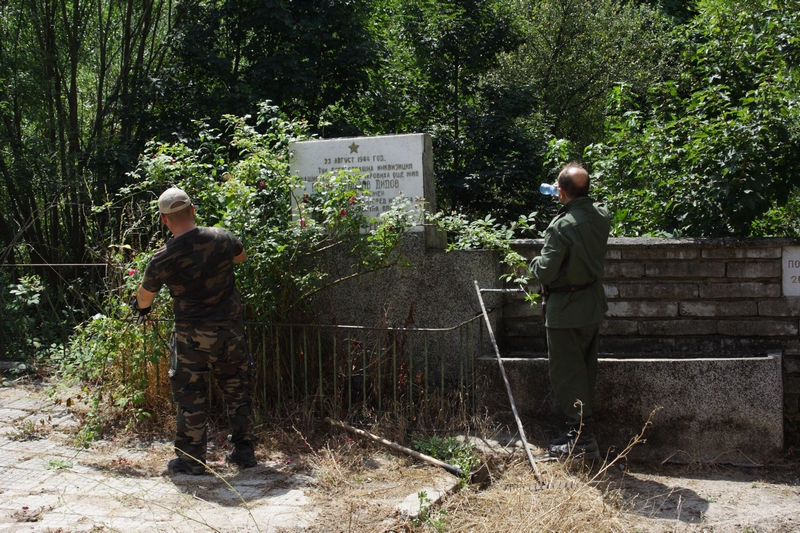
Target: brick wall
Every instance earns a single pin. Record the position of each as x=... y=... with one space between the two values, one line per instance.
x=680 y=298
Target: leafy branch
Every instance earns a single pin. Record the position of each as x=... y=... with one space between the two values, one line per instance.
x=488 y=234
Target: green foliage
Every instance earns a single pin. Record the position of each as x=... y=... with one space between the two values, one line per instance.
x=681 y=11
x=29 y=430
x=503 y=144
x=780 y=221
x=488 y=234
x=71 y=122
x=493 y=81
x=575 y=51
x=306 y=55
x=710 y=155
x=238 y=179
x=121 y=361
x=58 y=464
x=487 y=136
x=20 y=302
x=438 y=524
x=490 y=80
x=451 y=450
x=93 y=423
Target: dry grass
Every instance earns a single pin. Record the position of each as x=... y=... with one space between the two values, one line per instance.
x=359 y=487
x=361 y=483
x=576 y=498
x=358 y=493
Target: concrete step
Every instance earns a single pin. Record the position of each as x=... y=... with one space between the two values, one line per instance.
x=724 y=410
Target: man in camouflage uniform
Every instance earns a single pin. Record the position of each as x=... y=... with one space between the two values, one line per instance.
x=570 y=269
x=197 y=266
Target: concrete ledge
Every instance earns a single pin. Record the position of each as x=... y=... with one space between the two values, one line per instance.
x=710 y=410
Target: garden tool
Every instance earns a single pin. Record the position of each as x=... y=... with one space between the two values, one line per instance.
x=478 y=476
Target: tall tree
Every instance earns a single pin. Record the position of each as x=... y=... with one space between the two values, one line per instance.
x=575 y=51
x=492 y=81
x=710 y=154
x=453 y=44
x=72 y=114
x=303 y=55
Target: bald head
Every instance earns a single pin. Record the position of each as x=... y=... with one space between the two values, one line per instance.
x=574 y=181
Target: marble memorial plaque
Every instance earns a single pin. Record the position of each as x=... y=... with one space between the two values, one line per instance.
x=391 y=166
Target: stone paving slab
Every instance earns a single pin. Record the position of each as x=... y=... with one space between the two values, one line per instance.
x=7 y=414
x=51 y=486
x=436 y=489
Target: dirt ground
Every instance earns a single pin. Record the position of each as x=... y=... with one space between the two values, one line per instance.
x=337 y=483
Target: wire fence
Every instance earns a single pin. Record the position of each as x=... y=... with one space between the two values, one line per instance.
x=417 y=377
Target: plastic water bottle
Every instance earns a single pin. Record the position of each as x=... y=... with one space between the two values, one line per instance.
x=549 y=190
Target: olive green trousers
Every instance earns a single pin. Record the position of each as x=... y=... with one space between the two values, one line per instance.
x=572 y=354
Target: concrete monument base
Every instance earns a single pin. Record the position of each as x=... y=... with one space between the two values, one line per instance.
x=703 y=410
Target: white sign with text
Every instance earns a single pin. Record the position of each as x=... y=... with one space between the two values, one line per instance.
x=392 y=165
x=791 y=270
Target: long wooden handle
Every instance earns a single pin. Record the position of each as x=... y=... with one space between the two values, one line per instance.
x=508 y=387
x=402 y=449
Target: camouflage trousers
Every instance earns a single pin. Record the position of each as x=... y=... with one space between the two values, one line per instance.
x=194 y=352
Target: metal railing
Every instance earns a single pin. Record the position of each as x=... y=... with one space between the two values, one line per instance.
x=420 y=375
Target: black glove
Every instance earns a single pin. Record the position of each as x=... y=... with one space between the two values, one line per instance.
x=143 y=312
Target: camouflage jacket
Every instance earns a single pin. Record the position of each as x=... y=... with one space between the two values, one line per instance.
x=197 y=267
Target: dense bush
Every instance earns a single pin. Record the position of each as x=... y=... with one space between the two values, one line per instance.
x=712 y=153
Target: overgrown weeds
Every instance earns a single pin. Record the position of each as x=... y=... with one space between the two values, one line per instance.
x=30 y=430
x=239 y=178
x=451 y=450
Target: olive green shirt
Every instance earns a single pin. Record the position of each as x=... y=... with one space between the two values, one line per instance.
x=573 y=254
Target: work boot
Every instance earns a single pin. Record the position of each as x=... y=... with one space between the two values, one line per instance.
x=583 y=446
x=565 y=438
x=243 y=456
x=586 y=428
x=183 y=466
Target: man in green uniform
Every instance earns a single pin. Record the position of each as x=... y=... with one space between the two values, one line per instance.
x=197 y=267
x=570 y=269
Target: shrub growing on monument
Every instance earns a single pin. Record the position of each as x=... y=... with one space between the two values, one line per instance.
x=238 y=179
